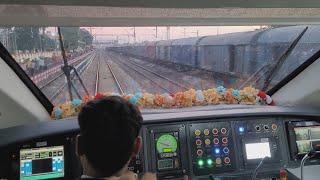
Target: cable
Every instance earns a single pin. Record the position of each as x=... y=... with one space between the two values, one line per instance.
x=255 y=172
x=304 y=159
x=309 y=155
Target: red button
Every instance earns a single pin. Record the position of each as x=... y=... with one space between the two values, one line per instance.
x=223 y=130
x=215 y=141
x=199 y=152
x=198 y=142
x=226 y=160
x=225 y=140
x=215 y=131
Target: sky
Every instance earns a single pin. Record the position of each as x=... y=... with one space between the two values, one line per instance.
x=126 y=34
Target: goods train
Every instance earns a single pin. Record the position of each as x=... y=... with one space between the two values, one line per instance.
x=241 y=53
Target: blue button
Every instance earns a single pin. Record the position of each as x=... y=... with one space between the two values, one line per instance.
x=226 y=150
x=216 y=150
x=241 y=129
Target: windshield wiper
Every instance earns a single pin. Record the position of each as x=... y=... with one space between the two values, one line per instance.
x=66 y=69
x=278 y=64
x=295 y=72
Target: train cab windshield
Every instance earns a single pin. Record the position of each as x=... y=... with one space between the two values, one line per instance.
x=223 y=93
x=160 y=67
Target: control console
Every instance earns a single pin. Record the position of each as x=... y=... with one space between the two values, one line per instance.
x=258 y=140
x=135 y=164
x=212 y=148
x=168 y=151
x=304 y=137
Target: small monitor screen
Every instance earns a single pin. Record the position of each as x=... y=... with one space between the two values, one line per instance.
x=307 y=139
x=42 y=163
x=258 y=150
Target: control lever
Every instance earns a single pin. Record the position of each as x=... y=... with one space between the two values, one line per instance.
x=211 y=177
x=310 y=154
x=255 y=172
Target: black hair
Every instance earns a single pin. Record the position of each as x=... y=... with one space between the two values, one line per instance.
x=108 y=129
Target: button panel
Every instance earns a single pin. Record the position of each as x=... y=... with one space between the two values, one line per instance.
x=215 y=152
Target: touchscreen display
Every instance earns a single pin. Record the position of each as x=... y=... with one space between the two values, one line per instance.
x=258 y=150
x=307 y=139
x=42 y=163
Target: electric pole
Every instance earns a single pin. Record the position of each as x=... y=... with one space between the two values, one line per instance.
x=134 y=34
x=156 y=32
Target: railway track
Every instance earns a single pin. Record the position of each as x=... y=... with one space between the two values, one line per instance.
x=58 y=83
x=55 y=78
x=96 y=89
x=166 y=84
x=105 y=69
x=115 y=79
x=161 y=76
x=206 y=75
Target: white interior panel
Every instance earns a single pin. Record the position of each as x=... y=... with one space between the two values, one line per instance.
x=303 y=90
x=17 y=104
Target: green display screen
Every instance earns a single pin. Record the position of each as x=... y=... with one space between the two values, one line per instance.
x=42 y=176
x=166 y=143
x=42 y=163
x=167 y=150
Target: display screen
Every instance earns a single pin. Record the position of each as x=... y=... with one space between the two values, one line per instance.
x=42 y=163
x=165 y=164
x=258 y=150
x=307 y=139
x=166 y=143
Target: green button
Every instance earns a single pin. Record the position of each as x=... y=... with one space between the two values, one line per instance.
x=209 y=162
x=200 y=162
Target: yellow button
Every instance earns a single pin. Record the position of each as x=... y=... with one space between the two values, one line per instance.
x=218 y=161
x=197 y=132
x=206 y=132
x=207 y=141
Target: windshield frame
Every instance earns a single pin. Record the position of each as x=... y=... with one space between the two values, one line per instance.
x=11 y=62
x=294 y=73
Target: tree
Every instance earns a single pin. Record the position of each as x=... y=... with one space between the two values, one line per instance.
x=30 y=38
x=70 y=37
x=48 y=43
x=27 y=38
x=86 y=37
x=74 y=37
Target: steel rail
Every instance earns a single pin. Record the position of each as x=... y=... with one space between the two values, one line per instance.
x=161 y=76
x=96 y=89
x=146 y=77
x=60 y=89
x=56 y=77
x=115 y=79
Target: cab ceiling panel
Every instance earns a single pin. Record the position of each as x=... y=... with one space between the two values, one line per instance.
x=53 y=15
x=175 y=3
